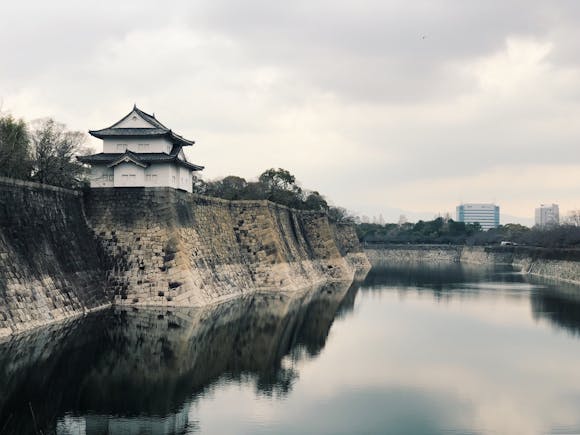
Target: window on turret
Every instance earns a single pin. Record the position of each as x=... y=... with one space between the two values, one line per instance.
x=143 y=147
x=121 y=147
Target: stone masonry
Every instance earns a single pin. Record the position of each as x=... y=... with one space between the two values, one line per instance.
x=63 y=254
x=50 y=266
x=175 y=248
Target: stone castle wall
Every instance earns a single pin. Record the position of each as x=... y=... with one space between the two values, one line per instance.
x=527 y=260
x=175 y=248
x=397 y=254
x=50 y=266
x=62 y=254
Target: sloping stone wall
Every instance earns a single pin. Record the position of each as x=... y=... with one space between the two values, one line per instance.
x=62 y=254
x=175 y=248
x=50 y=267
x=396 y=254
x=527 y=259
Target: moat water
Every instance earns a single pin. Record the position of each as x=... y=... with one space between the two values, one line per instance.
x=411 y=350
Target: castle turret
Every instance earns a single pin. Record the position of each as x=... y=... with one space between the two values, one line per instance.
x=139 y=151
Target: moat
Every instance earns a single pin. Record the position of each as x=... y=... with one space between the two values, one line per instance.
x=411 y=350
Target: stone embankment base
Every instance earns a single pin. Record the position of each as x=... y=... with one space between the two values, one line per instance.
x=529 y=260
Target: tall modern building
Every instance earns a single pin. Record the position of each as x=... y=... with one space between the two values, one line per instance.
x=487 y=215
x=547 y=215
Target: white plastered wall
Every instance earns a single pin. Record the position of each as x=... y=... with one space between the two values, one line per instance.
x=185 y=179
x=101 y=176
x=158 y=175
x=137 y=145
x=129 y=175
x=134 y=120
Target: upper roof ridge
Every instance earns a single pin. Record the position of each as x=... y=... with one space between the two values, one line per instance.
x=154 y=128
x=149 y=118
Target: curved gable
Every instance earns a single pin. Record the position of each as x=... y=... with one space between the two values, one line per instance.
x=134 y=120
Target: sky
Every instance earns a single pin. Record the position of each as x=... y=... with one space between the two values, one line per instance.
x=386 y=107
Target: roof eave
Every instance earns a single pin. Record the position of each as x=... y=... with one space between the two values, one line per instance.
x=181 y=140
x=128 y=157
x=191 y=166
x=100 y=134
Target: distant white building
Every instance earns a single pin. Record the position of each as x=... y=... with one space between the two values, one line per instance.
x=139 y=151
x=547 y=215
x=487 y=215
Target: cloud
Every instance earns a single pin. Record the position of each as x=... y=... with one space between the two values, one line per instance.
x=347 y=95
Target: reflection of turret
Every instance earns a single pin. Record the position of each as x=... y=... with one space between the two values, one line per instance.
x=40 y=372
x=152 y=362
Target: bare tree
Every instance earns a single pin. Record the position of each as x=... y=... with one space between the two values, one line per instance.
x=573 y=218
x=14 y=148
x=54 y=151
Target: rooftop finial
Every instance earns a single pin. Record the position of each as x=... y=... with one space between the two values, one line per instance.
x=134 y=106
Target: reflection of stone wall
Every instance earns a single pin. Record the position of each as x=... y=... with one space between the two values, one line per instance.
x=557 y=302
x=174 y=248
x=38 y=369
x=152 y=362
x=49 y=262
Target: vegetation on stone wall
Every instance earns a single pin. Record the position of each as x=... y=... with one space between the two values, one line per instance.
x=436 y=231
x=43 y=151
x=442 y=230
x=276 y=185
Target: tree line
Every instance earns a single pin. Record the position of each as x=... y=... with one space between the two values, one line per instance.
x=448 y=231
x=276 y=185
x=43 y=151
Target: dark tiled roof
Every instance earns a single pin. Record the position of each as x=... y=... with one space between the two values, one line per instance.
x=156 y=131
x=129 y=156
x=138 y=132
x=149 y=118
x=148 y=158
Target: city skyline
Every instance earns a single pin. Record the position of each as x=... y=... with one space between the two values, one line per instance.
x=392 y=108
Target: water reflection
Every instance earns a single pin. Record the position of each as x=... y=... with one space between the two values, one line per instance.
x=116 y=365
x=438 y=276
x=555 y=301
x=418 y=349
x=558 y=303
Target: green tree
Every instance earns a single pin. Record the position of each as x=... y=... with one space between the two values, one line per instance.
x=341 y=215
x=233 y=187
x=315 y=201
x=278 y=179
x=281 y=187
x=54 y=151
x=255 y=190
x=15 y=159
x=276 y=185
x=199 y=186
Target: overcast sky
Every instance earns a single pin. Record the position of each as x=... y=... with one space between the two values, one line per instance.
x=382 y=105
